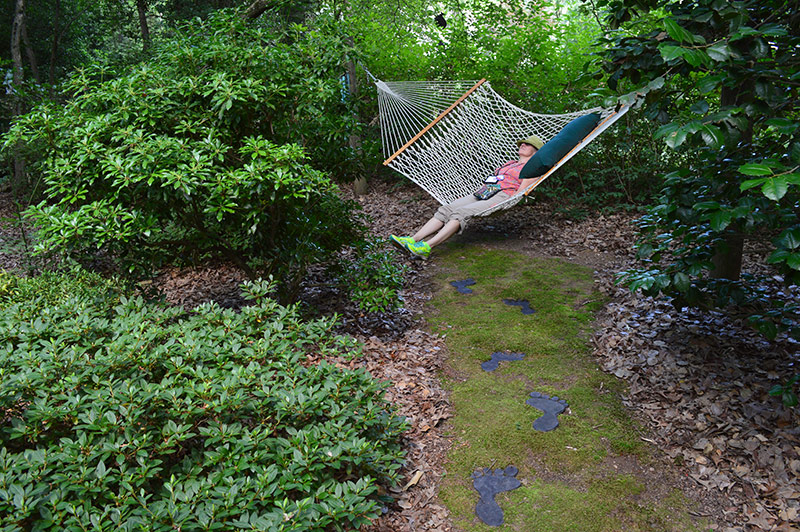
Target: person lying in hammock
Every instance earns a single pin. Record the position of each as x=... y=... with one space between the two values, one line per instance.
x=453 y=217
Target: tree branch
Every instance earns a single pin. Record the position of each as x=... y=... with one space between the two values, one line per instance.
x=257 y=8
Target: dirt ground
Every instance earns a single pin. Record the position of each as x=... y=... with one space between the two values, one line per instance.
x=697 y=381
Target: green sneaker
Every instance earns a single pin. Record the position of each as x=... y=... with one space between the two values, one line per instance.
x=419 y=249
x=400 y=241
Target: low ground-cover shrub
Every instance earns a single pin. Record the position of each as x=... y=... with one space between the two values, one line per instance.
x=373 y=277
x=116 y=414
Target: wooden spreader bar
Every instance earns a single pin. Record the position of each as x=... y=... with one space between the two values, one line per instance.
x=433 y=123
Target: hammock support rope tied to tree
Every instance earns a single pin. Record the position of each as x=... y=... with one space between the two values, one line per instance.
x=447 y=136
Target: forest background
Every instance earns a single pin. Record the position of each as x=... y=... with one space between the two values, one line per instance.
x=145 y=133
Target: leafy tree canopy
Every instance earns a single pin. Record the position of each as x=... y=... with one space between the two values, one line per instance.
x=722 y=78
x=533 y=53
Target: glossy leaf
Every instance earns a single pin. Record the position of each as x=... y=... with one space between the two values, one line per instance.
x=775 y=187
x=755 y=169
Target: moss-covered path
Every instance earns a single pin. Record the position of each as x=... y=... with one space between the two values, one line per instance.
x=593 y=472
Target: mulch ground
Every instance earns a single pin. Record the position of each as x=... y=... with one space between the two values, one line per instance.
x=697 y=381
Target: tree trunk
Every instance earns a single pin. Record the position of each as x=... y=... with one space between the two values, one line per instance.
x=257 y=7
x=727 y=257
x=360 y=183
x=31 y=54
x=141 y=7
x=17 y=27
x=51 y=75
x=16 y=50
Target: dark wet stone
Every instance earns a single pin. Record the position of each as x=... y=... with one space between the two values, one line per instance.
x=526 y=307
x=491 y=365
x=461 y=286
x=551 y=406
x=489 y=483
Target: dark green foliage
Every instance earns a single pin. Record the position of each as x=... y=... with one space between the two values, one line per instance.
x=54 y=289
x=719 y=76
x=120 y=415
x=620 y=169
x=786 y=391
x=183 y=158
x=372 y=276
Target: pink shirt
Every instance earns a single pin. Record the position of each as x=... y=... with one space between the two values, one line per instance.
x=510 y=173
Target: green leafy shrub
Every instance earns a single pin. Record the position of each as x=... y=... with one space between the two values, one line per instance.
x=52 y=288
x=372 y=276
x=713 y=75
x=621 y=169
x=786 y=391
x=127 y=416
x=200 y=152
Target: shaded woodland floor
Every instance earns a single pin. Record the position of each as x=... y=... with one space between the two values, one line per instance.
x=697 y=380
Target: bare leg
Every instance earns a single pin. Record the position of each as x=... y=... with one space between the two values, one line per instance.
x=430 y=227
x=449 y=229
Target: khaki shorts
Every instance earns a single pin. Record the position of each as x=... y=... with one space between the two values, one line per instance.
x=467 y=207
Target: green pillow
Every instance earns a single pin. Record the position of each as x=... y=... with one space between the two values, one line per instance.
x=557 y=147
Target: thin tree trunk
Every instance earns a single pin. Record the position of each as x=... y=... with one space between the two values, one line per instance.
x=17 y=27
x=16 y=49
x=257 y=8
x=51 y=76
x=31 y=54
x=141 y=7
x=727 y=257
x=360 y=183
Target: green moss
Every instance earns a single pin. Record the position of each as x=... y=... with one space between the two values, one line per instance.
x=568 y=483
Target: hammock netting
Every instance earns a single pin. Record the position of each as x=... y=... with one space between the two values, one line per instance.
x=467 y=130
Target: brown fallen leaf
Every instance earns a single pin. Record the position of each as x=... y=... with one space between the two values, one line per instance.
x=414 y=480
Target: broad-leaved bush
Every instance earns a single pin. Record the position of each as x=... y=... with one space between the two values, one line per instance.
x=117 y=414
x=219 y=146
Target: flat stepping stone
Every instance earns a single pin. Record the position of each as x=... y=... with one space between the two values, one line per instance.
x=500 y=356
x=526 y=307
x=461 y=286
x=489 y=483
x=551 y=406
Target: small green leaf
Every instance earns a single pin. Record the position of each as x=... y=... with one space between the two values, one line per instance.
x=100 y=470
x=696 y=57
x=719 y=51
x=789 y=399
x=681 y=281
x=755 y=169
x=789 y=239
x=751 y=183
x=794 y=152
x=775 y=187
x=709 y=83
x=720 y=220
x=670 y=52
x=712 y=136
x=656 y=84
x=666 y=130
x=700 y=107
x=677 y=32
x=783 y=125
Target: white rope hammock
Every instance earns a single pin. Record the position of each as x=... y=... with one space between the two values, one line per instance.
x=447 y=136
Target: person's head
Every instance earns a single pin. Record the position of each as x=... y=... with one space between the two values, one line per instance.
x=533 y=140
x=529 y=146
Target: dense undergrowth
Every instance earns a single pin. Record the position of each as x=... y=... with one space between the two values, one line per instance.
x=121 y=414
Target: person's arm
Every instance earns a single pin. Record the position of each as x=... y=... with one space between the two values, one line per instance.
x=524 y=184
